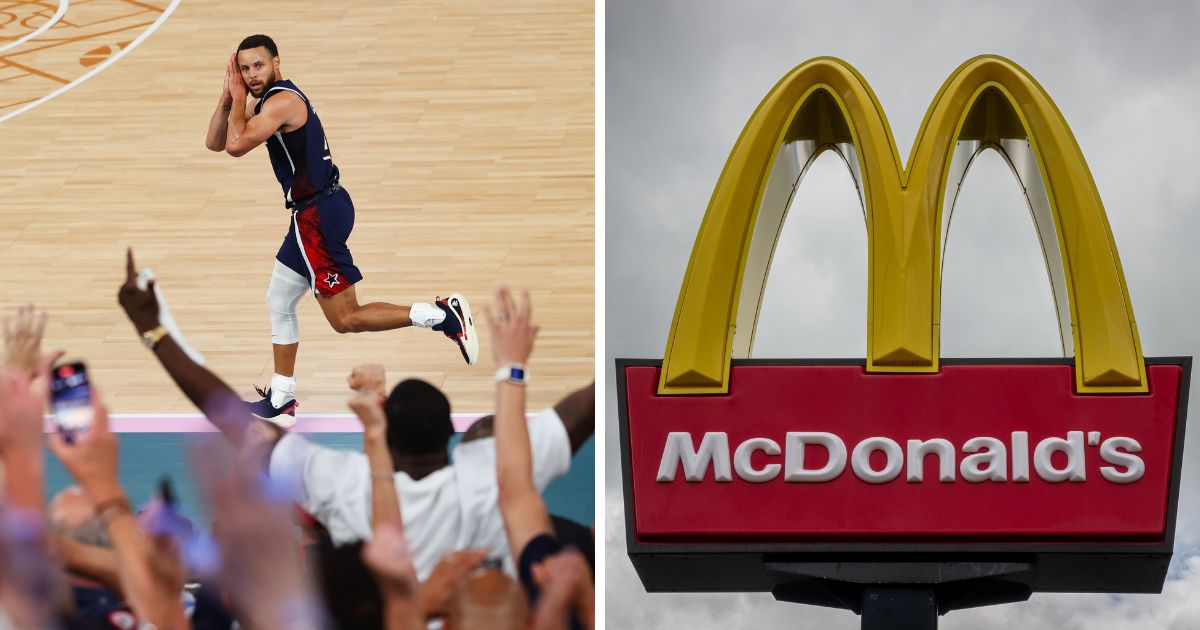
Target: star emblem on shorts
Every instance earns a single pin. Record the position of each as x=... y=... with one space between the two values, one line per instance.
x=331 y=279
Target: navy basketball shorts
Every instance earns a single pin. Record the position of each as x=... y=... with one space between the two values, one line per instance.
x=315 y=245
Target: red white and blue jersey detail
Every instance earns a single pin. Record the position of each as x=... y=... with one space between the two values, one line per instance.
x=300 y=158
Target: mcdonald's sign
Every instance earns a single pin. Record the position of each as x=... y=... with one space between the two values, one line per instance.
x=803 y=476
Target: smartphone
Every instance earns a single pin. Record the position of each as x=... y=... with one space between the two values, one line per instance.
x=71 y=399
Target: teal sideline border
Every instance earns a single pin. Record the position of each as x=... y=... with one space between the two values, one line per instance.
x=147 y=457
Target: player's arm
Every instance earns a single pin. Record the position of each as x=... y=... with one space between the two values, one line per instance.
x=219 y=123
x=524 y=511
x=246 y=132
x=207 y=391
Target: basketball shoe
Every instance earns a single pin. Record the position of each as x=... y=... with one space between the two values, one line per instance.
x=284 y=416
x=459 y=326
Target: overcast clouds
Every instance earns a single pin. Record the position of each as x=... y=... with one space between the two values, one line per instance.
x=683 y=76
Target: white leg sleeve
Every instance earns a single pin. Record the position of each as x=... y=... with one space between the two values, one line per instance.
x=283 y=293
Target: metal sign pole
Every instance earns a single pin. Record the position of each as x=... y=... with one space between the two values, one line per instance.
x=899 y=608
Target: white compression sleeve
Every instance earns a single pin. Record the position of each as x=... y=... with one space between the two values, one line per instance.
x=283 y=293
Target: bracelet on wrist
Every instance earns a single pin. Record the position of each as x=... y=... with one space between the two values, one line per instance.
x=110 y=509
x=151 y=337
x=514 y=373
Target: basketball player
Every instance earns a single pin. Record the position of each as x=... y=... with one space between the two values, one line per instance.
x=313 y=256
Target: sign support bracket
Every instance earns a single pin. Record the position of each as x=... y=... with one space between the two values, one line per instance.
x=889 y=607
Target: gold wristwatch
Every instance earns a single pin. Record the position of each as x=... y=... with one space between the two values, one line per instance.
x=151 y=337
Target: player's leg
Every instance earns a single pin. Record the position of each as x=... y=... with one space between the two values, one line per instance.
x=287 y=286
x=283 y=294
x=322 y=231
x=284 y=356
x=346 y=315
x=451 y=316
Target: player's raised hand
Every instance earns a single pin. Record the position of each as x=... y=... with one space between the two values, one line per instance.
x=140 y=306
x=233 y=80
x=512 y=330
x=226 y=98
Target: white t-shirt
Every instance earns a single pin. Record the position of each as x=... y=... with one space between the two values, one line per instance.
x=453 y=508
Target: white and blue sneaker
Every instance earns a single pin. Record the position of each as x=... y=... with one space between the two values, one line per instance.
x=459 y=326
x=283 y=415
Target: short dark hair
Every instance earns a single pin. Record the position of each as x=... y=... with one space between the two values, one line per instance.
x=254 y=41
x=418 y=419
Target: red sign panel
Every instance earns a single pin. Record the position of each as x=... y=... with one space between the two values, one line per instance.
x=975 y=453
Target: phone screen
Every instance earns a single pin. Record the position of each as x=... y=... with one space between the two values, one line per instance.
x=71 y=398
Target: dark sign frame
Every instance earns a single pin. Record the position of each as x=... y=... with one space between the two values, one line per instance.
x=960 y=574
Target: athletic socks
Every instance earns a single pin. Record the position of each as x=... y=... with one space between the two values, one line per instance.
x=283 y=389
x=425 y=315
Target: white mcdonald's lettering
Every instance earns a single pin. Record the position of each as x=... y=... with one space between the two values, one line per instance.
x=714 y=449
x=988 y=460
x=795 y=456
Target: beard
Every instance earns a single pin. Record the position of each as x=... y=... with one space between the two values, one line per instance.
x=263 y=89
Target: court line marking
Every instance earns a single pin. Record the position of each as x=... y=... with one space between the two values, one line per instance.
x=196 y=423
x=31 y=70
x=98 y=67
x=62 y=10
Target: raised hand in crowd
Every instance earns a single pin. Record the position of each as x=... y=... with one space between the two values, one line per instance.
x=140 y=305
x=368 y=382
x=30 y=579
x=150 y=586
x=200 y=385
x=527 y=523
x=23 y=342
x=24 y=390
x=22 y=402
x=388 y=557
x=387 y=554
x=513 y=334
x=368 y=377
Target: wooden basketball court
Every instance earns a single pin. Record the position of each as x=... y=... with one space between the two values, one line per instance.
x=463 y=131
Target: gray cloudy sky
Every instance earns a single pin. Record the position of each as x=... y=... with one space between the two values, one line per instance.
x=682 y=77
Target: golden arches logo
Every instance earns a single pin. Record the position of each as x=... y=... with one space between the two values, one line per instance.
x=824 y=104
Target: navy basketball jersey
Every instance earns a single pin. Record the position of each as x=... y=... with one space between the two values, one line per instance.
x=300 y=157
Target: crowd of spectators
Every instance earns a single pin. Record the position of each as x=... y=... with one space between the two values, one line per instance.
x=402 y=534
